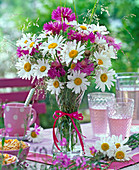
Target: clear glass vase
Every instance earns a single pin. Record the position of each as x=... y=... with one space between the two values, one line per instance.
x=68 y=102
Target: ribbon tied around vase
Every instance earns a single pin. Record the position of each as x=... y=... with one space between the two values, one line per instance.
x=74 y=115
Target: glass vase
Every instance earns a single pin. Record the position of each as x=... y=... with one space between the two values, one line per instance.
x=68 y=102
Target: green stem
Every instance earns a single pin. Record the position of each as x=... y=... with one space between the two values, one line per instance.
x=93 y=11
x=75 y=11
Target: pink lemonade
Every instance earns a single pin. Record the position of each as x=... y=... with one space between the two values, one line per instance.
x=120 y=126
x=99 y=121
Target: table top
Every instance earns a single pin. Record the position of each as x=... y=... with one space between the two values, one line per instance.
x=46 y=145
x=86 y=130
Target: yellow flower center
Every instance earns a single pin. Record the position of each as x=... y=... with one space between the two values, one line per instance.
x=104 y=77
x=31 y=45
x=73 y=65
x=25 y=41
x=43 y=68
x=105 y=146
x=83 y=27
x=53 y=45
x=73 y=53
x=117 y=145
x=56 y=84
x=95 y=31
x=92 y=153
x=33 y=134
x=78 y=81
x=120 y=155
x=100 y=62
x=27 y=67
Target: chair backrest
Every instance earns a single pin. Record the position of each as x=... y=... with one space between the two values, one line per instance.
x=21 y=95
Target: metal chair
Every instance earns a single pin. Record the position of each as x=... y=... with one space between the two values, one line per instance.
x=23 y=87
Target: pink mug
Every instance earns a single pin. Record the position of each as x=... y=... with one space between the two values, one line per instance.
x=17 y=118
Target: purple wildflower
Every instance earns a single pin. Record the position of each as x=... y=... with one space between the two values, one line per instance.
x=37 y=130
x=62 y=160
x=21 y=52
x=63 y=142
x=80 y=161
x=110 y=40
x=73 y=35
x=93 y=150
x=85 y=66
x=55 y=27
x=63 y=12
x=3 y=106
x=56 y=70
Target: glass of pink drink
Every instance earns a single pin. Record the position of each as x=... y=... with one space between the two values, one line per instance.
x=120 y=115
x=97 y=102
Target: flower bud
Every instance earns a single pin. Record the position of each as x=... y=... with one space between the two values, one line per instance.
x=87 y=53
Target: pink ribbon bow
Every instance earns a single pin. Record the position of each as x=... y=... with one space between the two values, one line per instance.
x=74 y=115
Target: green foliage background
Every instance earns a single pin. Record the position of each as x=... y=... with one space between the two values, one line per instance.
x=123 y=23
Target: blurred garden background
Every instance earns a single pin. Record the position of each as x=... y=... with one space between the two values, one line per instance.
x=120 y=17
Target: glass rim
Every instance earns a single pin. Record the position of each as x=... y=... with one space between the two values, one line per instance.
x=101 y=93
x=124 y=100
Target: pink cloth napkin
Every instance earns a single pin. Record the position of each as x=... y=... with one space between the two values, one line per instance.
x=42 y=158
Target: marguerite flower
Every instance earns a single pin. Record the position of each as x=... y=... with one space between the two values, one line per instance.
x=25 y=68
x=118 y=141
x=72 y=51
x=53 y=44
x=122 y=153
x=102 y=59
x=110 y=52
x=32 y=43
x=83 y=28
x=41 y=69
x=104 y=77
x=105 y=145
x=99 y=29
x=35 y=134
x=55 y=86
x=77 y=82
x=24 y=40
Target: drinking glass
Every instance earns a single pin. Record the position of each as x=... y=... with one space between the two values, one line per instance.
x=127 y=86
x=120 y=113
x=97 y=102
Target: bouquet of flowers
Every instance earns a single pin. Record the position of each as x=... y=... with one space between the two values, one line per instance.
x=65 y=56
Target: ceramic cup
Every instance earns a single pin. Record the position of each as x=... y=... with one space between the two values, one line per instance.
x=18 y=118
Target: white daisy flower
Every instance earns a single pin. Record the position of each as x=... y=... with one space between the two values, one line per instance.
x=122 y=153
x=83 y=28
x=44 y=34
x=118 y=141
x=101 y=41
x=110 y=51
x=77 y=82
x=102 y=59
x=24 y=40
x=55 y=86
x=99 y=29
x=35 y=134
x=104 y=77
x=105 y=145
x=53 y=44
x=25 y=68
x=72 y=51
x=73 y=23
x=41 y=69
x=32 y=43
